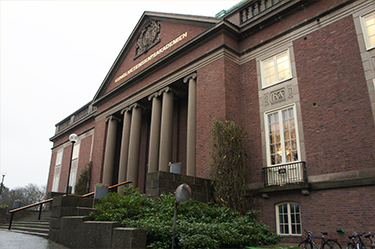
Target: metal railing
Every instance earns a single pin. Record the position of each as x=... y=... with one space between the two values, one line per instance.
x=284 y=174
x=13 y=211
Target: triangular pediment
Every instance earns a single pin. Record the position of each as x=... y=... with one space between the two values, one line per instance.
x=154 y=37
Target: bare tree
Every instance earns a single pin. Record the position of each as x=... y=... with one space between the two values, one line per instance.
x=29 y=194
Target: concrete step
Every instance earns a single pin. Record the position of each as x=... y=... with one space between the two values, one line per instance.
x=44 y=235
x=41 y=224
x=29 y=224
x=33 y=229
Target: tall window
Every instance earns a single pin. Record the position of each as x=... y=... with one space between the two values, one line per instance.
x=282 y=136
x=73 y=173
x=368 y=25
x=288 y=219
x=56 y=177
x=276 y=69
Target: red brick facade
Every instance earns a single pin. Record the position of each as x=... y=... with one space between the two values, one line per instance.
x=331 y=90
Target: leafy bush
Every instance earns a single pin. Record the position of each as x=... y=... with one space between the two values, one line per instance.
x=199 y=225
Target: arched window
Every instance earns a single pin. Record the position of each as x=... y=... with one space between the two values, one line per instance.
x=288 y=218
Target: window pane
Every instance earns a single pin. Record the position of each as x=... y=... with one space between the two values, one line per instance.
x=294 y=156
x=293 y=133
x=273 y=160
x=278 y=159
x=59 y=158
x=278 y=138
x=289 y=135
x=370 y=28
x=370 y=20
x=292 y=208
x=286 y=124
x=269 y=71
x=283 y=66
x=299 y=229
x=372 y=41
x=76 y=151
x=294 y=145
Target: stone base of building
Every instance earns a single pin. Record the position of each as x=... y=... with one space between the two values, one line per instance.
x=164 y=182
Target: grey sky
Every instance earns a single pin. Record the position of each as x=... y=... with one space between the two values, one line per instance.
x=54 y=56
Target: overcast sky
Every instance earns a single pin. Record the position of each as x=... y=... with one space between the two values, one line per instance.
x=54 y=56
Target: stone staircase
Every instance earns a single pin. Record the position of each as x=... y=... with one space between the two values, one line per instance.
x=29 y=224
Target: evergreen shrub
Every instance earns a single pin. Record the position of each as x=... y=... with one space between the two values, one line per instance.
x=198 y=225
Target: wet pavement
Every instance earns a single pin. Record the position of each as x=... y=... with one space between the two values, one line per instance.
x=14 y=240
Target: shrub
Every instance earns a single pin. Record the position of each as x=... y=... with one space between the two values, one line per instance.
x=228 y=167
x=83 y=184
x=199 y=225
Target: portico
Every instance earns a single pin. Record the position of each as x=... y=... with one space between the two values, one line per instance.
x=161 y=111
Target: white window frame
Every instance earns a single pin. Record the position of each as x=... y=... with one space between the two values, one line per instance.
x=290 y=216
x=282 y=139
x=57 y=171
x=276 y=71
x=364 y=29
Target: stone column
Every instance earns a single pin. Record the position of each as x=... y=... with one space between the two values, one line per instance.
x=191 y=125
x=134 y=144
x=153 y=154
x=109 y=156
x=124 y=148
x=165 y=155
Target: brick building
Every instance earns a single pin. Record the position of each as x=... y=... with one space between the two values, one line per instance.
x=298 y=76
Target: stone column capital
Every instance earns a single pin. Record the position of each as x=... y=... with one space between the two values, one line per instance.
x=167 y=90
x=192 y=76
x=112 y=117
x=154 y=95
x=131 y=107
x=136 y=105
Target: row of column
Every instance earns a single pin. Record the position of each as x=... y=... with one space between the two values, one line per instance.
x=160 y=144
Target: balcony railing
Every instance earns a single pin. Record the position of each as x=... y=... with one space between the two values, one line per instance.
x=284 y=174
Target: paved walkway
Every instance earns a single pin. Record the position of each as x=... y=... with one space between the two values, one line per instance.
x=14 y=240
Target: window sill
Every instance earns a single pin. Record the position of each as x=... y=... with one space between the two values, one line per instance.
x=290 y=236
x=276 y=83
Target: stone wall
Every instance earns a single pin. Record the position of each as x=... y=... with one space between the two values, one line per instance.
x=159 y=182
x=72 y=227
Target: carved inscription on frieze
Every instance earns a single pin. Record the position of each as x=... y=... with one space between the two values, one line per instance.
x=278 y=95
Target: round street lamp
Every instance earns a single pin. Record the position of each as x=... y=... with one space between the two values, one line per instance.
x=72 y=138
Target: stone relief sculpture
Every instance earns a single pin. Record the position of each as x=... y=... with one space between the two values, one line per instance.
x=150 y=35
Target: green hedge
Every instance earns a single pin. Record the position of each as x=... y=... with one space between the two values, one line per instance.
x=198 y=225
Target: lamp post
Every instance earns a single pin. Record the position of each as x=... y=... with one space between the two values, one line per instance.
x=1 y=187
x=72 y=138
x=182 y=194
